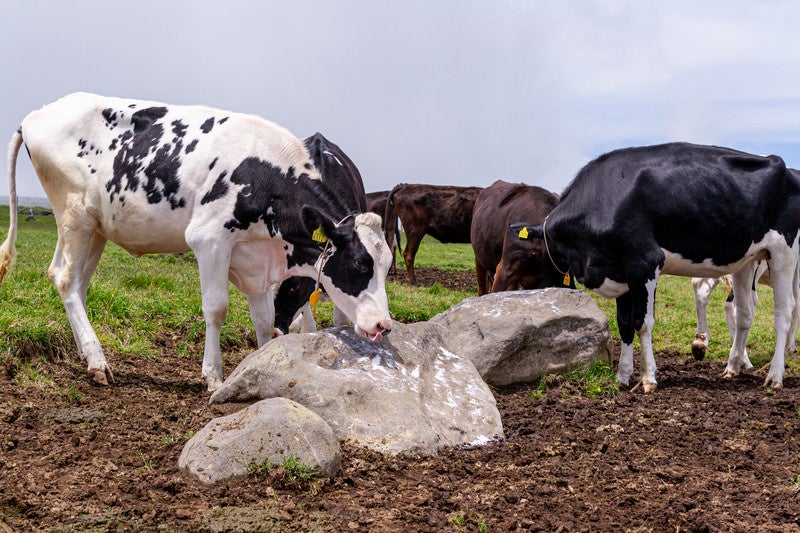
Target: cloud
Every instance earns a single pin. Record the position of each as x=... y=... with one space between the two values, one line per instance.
x=459 y=92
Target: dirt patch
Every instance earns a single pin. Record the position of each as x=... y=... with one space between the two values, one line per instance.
x=701 y=454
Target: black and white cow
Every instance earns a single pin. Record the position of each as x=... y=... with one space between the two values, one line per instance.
x=239 y=191
x=703 y=287
x=634 y=214
x=342 y=178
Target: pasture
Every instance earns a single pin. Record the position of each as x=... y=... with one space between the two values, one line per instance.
x=701 y=453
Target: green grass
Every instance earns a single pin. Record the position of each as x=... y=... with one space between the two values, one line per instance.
x=133 y=301
x=432 y=253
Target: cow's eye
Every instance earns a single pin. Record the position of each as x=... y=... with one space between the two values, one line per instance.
x=361 y=265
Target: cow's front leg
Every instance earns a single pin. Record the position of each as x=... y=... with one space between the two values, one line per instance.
x=213 y=263
x=262 y=314
x=626 y=333
x=744 y=311
x=646 y=304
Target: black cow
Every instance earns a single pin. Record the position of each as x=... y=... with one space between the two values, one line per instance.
x=634 y=214
x=442 y=211
x=342 y=178
x=502 y=261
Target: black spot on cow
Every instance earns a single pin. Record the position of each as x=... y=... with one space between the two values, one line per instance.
x=113 y=145
x=179 y=129
x=206 y=126
x=222 y=120
x=110 y=117
x=132 y=106
x=159 y=178
x=145 y=118
x=218 y=190
x=254 y=199
x=191 y=146
x=214 y=162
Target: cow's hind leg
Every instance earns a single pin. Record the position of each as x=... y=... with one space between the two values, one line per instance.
x=410 y=252
x=702 y=288
x=744 y=311
x=784 y=278
x=77 y=253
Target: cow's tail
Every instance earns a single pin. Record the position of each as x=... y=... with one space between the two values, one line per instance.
x=391 y=227
x=8 y=252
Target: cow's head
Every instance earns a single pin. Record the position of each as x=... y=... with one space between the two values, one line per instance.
x=557 y=265
x=354 y=272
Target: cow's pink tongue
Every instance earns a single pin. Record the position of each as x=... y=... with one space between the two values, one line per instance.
x=378 y=336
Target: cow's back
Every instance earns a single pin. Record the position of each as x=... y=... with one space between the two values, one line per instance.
x=144 y=169
x=443 y=212
x=725 y=199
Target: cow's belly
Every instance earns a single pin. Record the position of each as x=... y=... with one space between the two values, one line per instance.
x=152 y=231
x=678 y=265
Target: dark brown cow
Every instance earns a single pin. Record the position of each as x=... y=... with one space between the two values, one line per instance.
x=376 y=203
x=442 y=211
x=501 y=256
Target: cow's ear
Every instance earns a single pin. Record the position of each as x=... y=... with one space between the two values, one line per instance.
x=525 y=232
x=318 y=225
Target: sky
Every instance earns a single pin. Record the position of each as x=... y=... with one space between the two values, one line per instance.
x=449 y=92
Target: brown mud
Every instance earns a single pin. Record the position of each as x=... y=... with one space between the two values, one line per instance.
x=700 y=454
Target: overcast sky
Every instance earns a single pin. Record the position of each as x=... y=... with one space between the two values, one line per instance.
x=430 y=91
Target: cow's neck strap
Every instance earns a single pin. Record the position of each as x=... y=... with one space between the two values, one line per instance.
x=313 y=300
x=550 y=256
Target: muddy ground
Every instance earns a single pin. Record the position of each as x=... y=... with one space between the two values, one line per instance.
x=701 y=454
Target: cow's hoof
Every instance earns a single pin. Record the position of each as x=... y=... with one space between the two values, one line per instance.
x=214 y=384
x=649 y=387
x=773 y=383
x=728 y=374
x=102 y=376
x=699 y=348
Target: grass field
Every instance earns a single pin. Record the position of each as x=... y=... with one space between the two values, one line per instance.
x=134 y=302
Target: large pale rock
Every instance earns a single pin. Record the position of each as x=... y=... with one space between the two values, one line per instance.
x=271 y=430
x=409 y=393
x=519 y=336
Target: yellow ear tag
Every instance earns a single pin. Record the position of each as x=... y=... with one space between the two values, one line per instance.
x=314 y=300
x=319 y=235
x=566 y=279
x=523 y=233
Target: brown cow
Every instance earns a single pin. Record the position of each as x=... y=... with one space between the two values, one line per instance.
x=376 y=203
x=442 y=211
x=503 y=257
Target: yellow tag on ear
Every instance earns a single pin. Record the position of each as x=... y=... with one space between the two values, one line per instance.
x=523 y=233
x=319 y=235
x=566 y=279
x=314 y=300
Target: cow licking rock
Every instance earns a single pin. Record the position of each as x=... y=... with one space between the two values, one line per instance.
x=240 y=192
x=441 y=211
x=699 y=211
x=342 y=179
x=503 y=261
